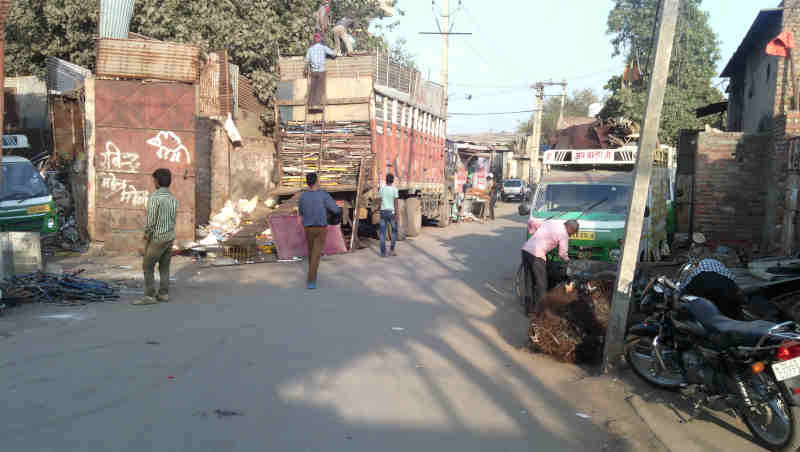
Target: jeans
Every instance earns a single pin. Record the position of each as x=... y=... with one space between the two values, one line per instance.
x=161 y=254
x=387 y=216
x=315 y=237
x=537 y=274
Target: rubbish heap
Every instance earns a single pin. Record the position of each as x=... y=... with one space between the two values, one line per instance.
x=68 y=237
x=55 y=289
x=570 y=323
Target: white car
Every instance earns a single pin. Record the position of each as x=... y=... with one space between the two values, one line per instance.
x=514 y=189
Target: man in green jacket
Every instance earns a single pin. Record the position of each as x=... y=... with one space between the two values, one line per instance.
x=159 y=235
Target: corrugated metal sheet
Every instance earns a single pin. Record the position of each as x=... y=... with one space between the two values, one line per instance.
x=141 y=127
x=248 y=100
x=63 y=76
x=138 y=59
x=233 y=76
x=209 y=90
x=115 y=18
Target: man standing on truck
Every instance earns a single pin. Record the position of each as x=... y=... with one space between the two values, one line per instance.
x=322 y=16
x=548 y=236
x=389 y=208
x=159 y=234
x=341 y=33
x=315 y=56
x=314 y=206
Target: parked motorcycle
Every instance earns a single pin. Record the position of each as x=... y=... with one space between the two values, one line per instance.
x=753 y=367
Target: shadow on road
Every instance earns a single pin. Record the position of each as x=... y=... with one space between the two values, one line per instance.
x=412 y=352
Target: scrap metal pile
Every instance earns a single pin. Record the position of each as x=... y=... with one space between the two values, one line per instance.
x=334 y=153
x=570 y=322
x=602 y=134
x=55 y=289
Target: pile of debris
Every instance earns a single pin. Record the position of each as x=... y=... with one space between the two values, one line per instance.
x=66 y=289
x=227 y=222
x=68 y=236
x=602 y=134
x=570 y=323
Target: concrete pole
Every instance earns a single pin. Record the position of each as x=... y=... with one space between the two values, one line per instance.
x=615 y=337
x=533 y=148
x=445 y=60
x=563 y=102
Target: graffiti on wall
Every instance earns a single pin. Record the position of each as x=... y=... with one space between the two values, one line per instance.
x=114 y=159
x=169 y=147
x=128 y=193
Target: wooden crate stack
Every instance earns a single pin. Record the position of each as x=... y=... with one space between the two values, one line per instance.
x=335 y=154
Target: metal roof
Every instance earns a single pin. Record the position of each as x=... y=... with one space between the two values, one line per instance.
x=115 y=18
x=63 y=76
x=759 y=34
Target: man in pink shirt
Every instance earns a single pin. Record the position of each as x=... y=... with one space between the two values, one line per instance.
x=546 y=237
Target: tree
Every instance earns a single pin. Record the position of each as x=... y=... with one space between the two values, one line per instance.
x=576 y=104
x=252 y=33
x=693 y=65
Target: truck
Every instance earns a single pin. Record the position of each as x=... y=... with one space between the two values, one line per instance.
x=26 y=204
x=379 y=117
x=595 y=186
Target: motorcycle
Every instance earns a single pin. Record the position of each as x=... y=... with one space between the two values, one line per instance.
x=752 y=367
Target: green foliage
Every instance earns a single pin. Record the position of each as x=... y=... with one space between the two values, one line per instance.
x=693 y=65
x=576 y=104
x=252 y=32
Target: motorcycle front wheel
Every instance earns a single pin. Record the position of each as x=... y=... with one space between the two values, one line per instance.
x=643 y=359
x=771 y=420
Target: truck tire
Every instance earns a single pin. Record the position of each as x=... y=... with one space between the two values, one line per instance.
x=402 y=221
x=444 y=214
x=414 y=217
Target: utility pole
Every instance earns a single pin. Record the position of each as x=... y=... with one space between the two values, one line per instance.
x=563 y=103
x=615 y=337
x=535 y=141
x=445 y=60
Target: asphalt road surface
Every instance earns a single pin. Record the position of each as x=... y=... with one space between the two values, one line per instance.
x=419 y=352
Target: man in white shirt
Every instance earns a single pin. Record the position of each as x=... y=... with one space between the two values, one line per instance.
x=389 y=208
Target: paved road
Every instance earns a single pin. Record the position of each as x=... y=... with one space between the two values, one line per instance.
x=419 y=352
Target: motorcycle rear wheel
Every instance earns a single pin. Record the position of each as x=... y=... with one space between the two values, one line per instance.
x=642 y=358
x=772 y=422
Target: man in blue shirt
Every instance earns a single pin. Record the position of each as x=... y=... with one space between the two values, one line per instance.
x=389 y=203
x=314 y=206
x=315 y=56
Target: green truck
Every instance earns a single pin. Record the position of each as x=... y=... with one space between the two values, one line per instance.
x=25 y=201
x=594 y=186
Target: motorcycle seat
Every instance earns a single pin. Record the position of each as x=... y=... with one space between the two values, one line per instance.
x=724 y=331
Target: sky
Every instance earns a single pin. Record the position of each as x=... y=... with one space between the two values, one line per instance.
x=516 y=43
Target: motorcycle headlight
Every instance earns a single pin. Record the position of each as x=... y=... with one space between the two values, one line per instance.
x=51 y=223
x=615 y=254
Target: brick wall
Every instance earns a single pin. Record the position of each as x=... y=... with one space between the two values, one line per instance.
x=731 y=185
x=785 y=90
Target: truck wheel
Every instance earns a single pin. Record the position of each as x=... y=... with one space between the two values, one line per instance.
x=402 y=222
x=444 y=214
x=414 y=217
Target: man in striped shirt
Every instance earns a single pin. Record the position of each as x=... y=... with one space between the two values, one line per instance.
x=315 y=57
x=159 y=234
